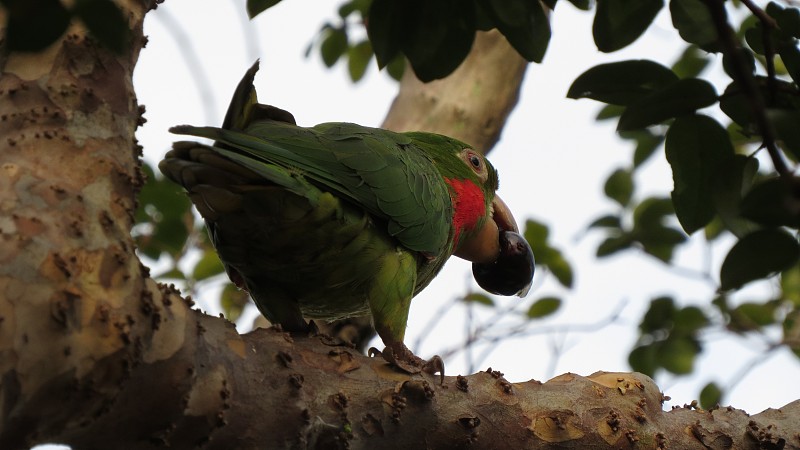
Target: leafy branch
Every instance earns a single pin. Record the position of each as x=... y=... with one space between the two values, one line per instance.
x=744 y=77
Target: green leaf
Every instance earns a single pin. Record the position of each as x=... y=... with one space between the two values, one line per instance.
x=710 y=396
x=788 y=20
x=621 y=83
x=476 y=297
x=208 y=266
x=617 y=23
x=333 y=46
x=693 y=21
x=661 y=243
x=105 y=22
x=650 y=213
x=619 y=186
x=523 y=23
x=643 y=359
x=752 y=316
x=396 y=67
x=646 y=145
x=691 y=62
x=689 y=320
x=771 y=203
x=754 y=36
x=362 y=6
x=734 y=177
x=386 y=30
x=165 y=197
x=739 y=56
x=736 y=106
x=678 y=99
x=659 y=315
x=536 y=233
x=677 y=355
x=790 y=285
x=358 y=57
x=613 y=244
x=32 y=25
x=609 y=112
x=560 y=268
x=233 y=300
x=607 y=221
x=696 y=146
x=786 y=127
x=256 y=7
x=791 y=331
x=714 y=229
x=170 y=235
x=544 y=307
x=584 y=5
x=758 y=255
x=790 y=55
x=166 y=212
x=171 y=274
x=436 y=37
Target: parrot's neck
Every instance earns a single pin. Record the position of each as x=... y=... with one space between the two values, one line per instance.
x=469 y=207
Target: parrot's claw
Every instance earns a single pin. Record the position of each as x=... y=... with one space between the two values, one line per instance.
x=404 y=359
x=313 y=329
x=434 y=365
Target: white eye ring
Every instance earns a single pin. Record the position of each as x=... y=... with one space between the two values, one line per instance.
x=475 y=161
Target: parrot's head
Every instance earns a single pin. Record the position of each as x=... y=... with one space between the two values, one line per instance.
x=484 y=230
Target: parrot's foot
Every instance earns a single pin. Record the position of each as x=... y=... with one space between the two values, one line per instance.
x=404 y=359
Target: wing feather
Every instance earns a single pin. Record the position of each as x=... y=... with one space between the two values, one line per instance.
x=382 y=171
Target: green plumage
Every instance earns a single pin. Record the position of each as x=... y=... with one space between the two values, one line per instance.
x=325 y=222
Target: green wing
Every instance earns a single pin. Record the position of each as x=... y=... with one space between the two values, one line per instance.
x=383 y=172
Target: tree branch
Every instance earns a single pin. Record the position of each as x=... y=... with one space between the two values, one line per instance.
x=95 y=354
x=745 y=79
x=472 y=104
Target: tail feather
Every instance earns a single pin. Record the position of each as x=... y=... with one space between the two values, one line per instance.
x=244 y=97
x=244 y=107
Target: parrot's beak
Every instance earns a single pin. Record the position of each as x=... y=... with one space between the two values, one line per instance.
x=484 y=246
x=502 y=216
x=511 y=272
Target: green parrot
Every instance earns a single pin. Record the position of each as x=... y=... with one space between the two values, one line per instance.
x=341 y=220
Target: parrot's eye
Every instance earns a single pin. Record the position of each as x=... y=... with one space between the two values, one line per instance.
x=474 y=160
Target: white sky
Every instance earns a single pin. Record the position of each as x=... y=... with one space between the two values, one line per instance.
x=553 y=160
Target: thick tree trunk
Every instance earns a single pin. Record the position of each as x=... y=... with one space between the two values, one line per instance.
x=472 y=104
x=95 y=354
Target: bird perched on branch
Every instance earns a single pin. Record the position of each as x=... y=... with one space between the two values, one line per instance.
x=341 y=220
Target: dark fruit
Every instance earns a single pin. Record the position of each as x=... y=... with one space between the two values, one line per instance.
x=512 y=272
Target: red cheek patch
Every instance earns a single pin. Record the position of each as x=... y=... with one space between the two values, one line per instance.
x=469 y=204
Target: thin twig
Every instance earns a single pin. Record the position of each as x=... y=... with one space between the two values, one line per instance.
x=767 y=25
x=524 y=330
x=192 y=60
x=470 y=333
x=434 y=320
x=762 y=15
x=745 y=79
x=747 y=368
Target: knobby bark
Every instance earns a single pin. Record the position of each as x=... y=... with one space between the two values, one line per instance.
x=95 y=354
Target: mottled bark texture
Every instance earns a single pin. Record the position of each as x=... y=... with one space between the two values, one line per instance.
x=95 y=354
